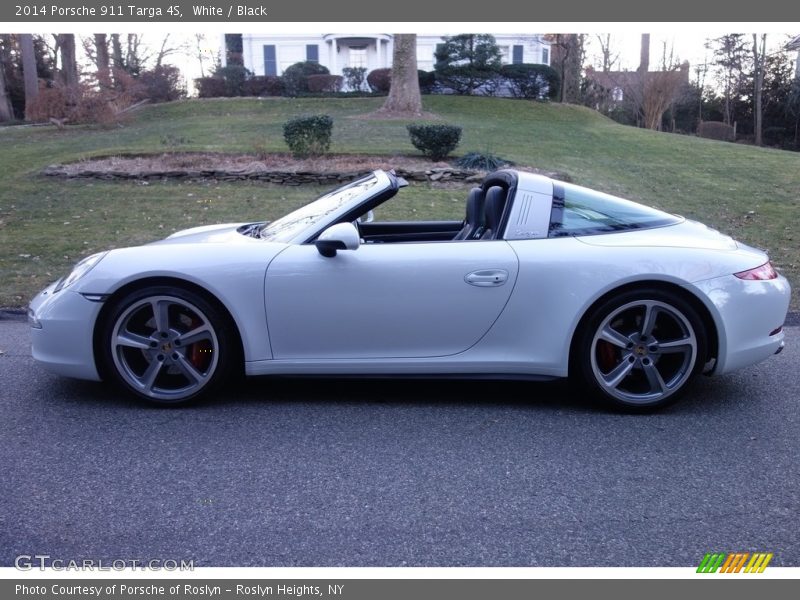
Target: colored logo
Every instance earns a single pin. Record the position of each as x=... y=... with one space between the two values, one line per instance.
x=735 y=562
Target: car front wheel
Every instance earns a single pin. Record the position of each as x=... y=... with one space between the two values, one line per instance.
x=166 y=345
x=640 y=349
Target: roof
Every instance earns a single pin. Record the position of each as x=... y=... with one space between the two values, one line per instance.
x=794 y=43
x=629 y=79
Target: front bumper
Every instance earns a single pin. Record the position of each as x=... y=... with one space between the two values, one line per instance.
x=750 y=317
x=62 y=326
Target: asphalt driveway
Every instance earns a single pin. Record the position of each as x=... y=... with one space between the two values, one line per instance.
x=310 y=472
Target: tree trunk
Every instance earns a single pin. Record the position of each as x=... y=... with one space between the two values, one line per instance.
x=102 y=60
x=404 y=98
x=29 y=74
x=644 y=53
x=6 y=110
x=116 y=51
x=759 y=62
x=69 y=64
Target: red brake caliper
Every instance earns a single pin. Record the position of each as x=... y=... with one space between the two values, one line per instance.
x=606 y=356
x=200 y=352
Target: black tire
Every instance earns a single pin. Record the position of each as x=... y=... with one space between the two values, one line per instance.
x=640 y=349
x=166 y=345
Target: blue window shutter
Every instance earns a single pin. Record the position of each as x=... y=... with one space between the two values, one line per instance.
x=312 y=53
x=270 y=61
x=517 y=55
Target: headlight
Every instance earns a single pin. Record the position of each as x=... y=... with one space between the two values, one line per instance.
x=79 y=270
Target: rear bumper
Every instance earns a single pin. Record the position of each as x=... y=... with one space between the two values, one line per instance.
x=750 y=317
x=61 y=333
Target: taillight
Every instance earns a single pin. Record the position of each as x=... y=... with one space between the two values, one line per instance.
x=762 y=273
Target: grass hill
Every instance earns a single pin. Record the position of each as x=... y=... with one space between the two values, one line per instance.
x=46 y=224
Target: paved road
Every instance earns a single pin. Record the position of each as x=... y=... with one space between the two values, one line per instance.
x=363 y=473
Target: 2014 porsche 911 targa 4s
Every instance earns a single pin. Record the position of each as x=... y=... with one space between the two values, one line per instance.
x=541 y=280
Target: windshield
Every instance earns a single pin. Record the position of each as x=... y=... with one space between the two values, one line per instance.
x=286 y=228
x=581 y=211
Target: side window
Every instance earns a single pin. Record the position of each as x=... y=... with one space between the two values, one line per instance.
x=312 y=53
x=517 y=55
x=578 y=211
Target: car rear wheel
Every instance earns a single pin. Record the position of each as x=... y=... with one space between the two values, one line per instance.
x=167 y=345
x=641 y=348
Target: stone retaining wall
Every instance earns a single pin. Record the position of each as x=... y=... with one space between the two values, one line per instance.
x=257 y=172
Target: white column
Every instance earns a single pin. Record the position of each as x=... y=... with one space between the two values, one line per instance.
x=378 y=52
x=223 y=51
x=334 y=66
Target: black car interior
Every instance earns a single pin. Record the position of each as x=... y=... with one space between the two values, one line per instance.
x=485 y=208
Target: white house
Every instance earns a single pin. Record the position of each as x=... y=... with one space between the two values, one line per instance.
x=270 y=54
x=794 y=44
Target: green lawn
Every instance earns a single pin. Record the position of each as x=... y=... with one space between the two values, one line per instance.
x=47 y=224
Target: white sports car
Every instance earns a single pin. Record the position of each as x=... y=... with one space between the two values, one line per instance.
x=541 y=280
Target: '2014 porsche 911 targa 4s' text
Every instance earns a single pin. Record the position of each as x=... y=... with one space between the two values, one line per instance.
x=541 y=280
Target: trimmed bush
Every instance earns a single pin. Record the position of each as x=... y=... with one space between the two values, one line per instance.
x=324 y=83
x=435 y=141
x=531 y=81
x=262 y=85
x=380 y=80
x=427 y=81
x=162 y=84
x=716 y=130
x=295 y=77
x=234 y=77
x=309 y=135
x=210 y=87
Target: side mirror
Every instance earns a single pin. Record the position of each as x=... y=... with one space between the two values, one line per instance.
x=342 y=236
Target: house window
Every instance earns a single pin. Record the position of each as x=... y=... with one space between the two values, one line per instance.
x=517 y=55
x=270 y=60
x=312 y=53
x=617 y=95
x=358 y=58
x=545 y=56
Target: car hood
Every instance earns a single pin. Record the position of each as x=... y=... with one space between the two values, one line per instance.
x=686 y=234
x=225 y=233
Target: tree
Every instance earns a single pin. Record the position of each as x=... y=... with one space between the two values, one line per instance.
x=116 y=52
x=65 y=44
x=567 y=58
x=201 y=52
x=6 y=110
x=759 y=61
x=102 y=59
x=467 y=61
x=609 y=57
x=730 y=59
x=404 y=98
x=29 y=71
x=661 y=89
x=167 y=49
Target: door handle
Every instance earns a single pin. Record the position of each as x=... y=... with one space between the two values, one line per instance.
x=487 y=277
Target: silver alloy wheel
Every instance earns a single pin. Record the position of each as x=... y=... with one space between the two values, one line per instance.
x=643 y=352
x=165 y=348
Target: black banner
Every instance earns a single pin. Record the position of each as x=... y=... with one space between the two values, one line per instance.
x=281 y=11
x=400 y=589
